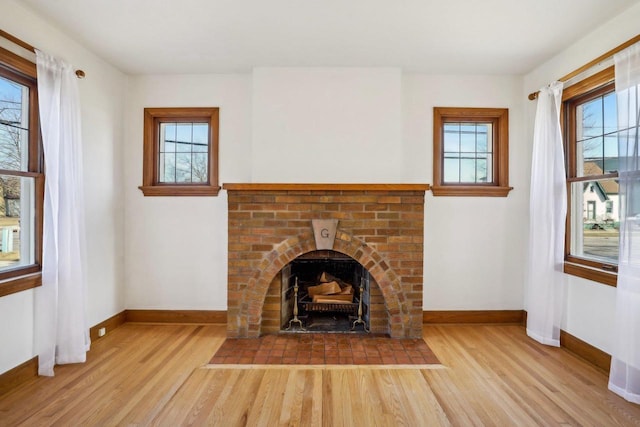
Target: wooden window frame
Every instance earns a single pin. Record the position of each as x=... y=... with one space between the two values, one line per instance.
x=23 y=71
x=499 y=118
x=590 y=87
x=153 y=117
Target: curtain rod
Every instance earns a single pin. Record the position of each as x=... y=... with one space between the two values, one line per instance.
x=590 y=64
x=79 y=73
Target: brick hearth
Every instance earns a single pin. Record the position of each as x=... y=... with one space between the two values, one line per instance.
x=380 y=225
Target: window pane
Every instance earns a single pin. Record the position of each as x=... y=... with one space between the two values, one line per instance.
x=14 y=143
x=595 y=220
x=183 y=147
x=14 y=103
x=592 y=149
x=169 y=147
x=468 y=170
x=598 y=155
x=184 y=132
x=490 y=168
x=611 y=145
x=590 y=155
x=482 y=170
x=610 y=113
x=452 y=137
x=167 y=167
x=611 y=153
x=183 y=167
x=170 y=131
x=483 y=136
x=467 y=138
x=451 y=170
x=589 y=119
x=200 y=167
x=17 y=218
x=14 y=125
x=167 y=137
x=201 y=133
x=200 y=148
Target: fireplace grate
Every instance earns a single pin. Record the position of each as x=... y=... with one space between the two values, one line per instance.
x=349 y=308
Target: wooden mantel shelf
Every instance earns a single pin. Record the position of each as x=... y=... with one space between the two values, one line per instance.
x=323 y=187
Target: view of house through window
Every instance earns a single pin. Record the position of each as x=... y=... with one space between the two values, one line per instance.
x=17 y=192
x=594 y=188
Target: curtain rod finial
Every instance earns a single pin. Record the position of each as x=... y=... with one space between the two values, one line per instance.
x=533 y=96
x=80 y=74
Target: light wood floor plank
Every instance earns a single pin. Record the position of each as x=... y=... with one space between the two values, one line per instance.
x=291 y=413
x=237 y=400
x=316 y=402
x=427 y=408
x=144 y=374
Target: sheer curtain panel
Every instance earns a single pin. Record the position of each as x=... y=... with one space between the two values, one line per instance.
x=547 y=210
x=62 y=335
x=624 y=378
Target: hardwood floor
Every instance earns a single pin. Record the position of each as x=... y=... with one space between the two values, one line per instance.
x=142 y=374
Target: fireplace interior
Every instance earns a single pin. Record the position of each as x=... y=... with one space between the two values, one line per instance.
x=332 y=294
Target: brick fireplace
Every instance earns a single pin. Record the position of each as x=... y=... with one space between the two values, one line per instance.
x=381 y=226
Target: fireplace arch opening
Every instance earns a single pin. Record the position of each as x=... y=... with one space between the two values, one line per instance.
x=325 y=291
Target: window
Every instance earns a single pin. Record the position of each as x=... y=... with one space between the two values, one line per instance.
x=470 y=152
x=180 y=152
x=21 y=180
x=591 y=139
x=609 y=208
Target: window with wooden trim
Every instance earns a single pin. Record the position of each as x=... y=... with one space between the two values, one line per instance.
x=470 y=152
x=21 y=177
x=180 y=152
x=590 y=124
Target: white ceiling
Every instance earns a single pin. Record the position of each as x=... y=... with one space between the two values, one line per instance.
x=434 y=36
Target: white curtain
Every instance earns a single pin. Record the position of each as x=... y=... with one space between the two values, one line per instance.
x=62 y=335
x=547 y=214
x=624 y=378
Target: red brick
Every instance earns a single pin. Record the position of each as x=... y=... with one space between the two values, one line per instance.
x=376 y=207
x=239 y=215
x=389 y=199
x=365 y=215
x=391 y=231
x=387 y=215
x=260 y=214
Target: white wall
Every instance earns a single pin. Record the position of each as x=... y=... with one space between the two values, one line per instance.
x=101 y=95
x=327 y=125
x=177 y=246
x=589 y=312
x=474 y=246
